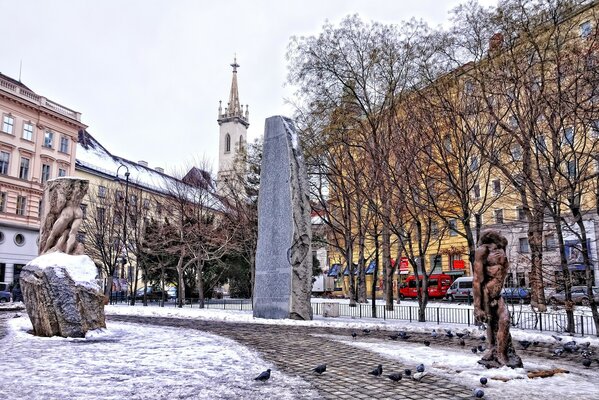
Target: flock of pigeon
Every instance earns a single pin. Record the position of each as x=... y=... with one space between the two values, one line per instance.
x=568 y=347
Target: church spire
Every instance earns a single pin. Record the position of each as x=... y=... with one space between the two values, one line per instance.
x=234 y=109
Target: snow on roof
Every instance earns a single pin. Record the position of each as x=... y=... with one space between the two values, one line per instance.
x=93 y=156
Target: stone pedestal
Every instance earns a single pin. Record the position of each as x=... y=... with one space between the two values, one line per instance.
x=283 y=258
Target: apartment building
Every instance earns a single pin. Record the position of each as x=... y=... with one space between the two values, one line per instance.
x=38 y=139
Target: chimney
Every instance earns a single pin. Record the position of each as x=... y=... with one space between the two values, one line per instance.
x=159 y=169
x=143 y=163
x=496 y=42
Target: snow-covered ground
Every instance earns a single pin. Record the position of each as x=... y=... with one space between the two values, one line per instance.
x=127 y=361
x=139 y=361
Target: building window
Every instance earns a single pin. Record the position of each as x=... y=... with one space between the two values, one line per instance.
x=3 y=201
x=436 y=264
x=571 y=165
x=40 y=204
x=133 y=199
x=569 y=136
x=595 y=129
x=586 y=29
x=84 y=211
x=2 y=266
x=4 y=159
x=117 y=219
x=541 y=144
x=521 y=215
x=496 y=187
x=101 y=191
x=7 y=124
x=19 y=239
x=64 y=144
x=62 y=172
x=48 y=139
x=509 y=280
x=550 y=242
x=476 y=191
x=516 y=151
x=473 y=163
x=447 y=143
x=434 y=229
x=227 y=143
x=27 y=131
x=453 y=227
x=45 y=173
x=523 y=245
x=241 y=143
x=119 y=196
x=499 y=216
x=521 y=279
x=146 y=203
x=24 y=169
x=101 y=213
x=21 y=205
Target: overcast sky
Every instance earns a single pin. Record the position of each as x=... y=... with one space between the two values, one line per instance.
x=147 y=75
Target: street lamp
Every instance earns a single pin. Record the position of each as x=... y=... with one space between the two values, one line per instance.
x=124 y=257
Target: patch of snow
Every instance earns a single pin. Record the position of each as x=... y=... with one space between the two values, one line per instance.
x=129 y=361
x=80 y=268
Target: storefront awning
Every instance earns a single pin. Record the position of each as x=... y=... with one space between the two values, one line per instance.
x=334 y=270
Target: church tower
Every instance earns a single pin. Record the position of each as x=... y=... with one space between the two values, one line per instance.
x=233 y=122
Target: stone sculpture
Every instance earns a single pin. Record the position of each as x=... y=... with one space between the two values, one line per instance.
x=283 y=257
x=490 y=270
x=59 y=287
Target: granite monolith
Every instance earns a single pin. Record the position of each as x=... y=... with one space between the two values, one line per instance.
x=283 y=257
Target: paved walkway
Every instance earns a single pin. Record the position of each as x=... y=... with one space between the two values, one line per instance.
x=297 y=350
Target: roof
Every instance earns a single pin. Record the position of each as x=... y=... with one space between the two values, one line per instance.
x=94 y=157
x=14 y=81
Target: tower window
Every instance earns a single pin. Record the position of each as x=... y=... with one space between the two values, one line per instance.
x=240 y=143
x=227 y=143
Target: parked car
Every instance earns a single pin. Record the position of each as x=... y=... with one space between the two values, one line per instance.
x=437 y=286
x=152 y=294
x=516 y=295
x=579 y=296
x=5 y=297
x=460 y=289
x=172 y=293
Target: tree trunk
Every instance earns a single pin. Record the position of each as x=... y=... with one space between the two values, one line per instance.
x=361 y=271
x=376 y=270
x=200 y=283
x=387 y=269
x=134 y=292
x=570 y=327
x=535 y=241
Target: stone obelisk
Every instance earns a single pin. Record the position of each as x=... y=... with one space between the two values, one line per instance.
x=284 y=257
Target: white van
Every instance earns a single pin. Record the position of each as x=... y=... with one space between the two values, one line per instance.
x=460 y=289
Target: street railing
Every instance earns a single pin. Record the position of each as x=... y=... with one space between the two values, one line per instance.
x=526 y=320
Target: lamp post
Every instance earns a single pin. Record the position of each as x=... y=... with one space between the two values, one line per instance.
x=126 y=209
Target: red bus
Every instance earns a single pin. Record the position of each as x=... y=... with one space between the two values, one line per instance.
x=437 y=286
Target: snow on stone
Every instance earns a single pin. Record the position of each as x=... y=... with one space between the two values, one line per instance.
x=80 y=268
x=131 y=361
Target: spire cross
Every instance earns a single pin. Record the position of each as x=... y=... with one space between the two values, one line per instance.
x=235 y=65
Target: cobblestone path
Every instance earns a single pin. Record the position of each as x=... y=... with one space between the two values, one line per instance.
x=297 y=350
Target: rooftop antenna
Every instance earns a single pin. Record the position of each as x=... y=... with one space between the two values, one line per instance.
x=20 y=68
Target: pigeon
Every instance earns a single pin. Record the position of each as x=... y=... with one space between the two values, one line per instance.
x=396 y=376
x=403 y=335
x=420 y=368
x=393 y=337
x=479 y=393
x=483 y=338
x=449 y=334
x=377 y=371
x=571 y=347
x=474 y=350
x=559 y=339
x=483 y=381
x=427 y=343
x=461 y=342
x=434 y=333
x=460 y=334
x=481 y=348
x=586 y=362
x=408 y=372
x=585 y=345
x=419 y=375
x=264 y=376
x=354 y=334
x=558 y=352
x=366 y=331
x=535 y=343
x=320 y=368
x=525 y=344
